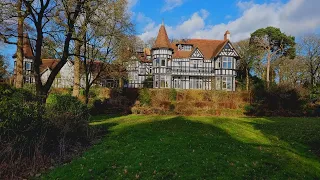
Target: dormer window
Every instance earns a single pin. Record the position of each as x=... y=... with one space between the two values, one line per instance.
x=184 y=47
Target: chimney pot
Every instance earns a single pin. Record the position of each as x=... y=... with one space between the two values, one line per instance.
x=227 y=35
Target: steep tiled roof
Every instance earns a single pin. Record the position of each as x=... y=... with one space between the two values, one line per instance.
x=143 y=56
x=27 y=49
x=209 y=48
x=162 y=40
x=48 y=63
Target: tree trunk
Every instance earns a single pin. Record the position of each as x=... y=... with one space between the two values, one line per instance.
x=247 y=79
x=37 y=62
x=76 y=80
x=280 y=75
x=268 y=69
x=20 y=55
x=87 y=89
x=312 y=80
x=120 y=83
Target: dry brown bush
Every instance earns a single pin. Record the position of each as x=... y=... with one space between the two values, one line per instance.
x=194 y=102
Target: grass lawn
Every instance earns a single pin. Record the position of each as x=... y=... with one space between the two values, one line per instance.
x=171 y=147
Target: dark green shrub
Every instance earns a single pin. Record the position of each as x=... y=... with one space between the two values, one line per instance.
x=30 y=129
x=99 y=106
x=250 y=109
x=30 y=87
x=68 y=119
x=276 y=101
x=22 y=128
x=145 y=97
x=148 y=83
x=66 y=110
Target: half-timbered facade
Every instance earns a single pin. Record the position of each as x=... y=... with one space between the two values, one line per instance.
x=139 y=69
x=188 y=64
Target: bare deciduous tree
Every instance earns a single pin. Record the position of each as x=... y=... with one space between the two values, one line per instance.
x=62 y=14
x=106 y=36
x=250 y=58
x=309 y=49
x=12 y=19
x=291 y=72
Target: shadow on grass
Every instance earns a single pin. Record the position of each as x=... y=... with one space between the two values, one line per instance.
x=300 y=133
x=149 y=147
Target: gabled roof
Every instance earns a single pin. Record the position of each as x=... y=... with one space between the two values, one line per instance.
x=195 y=50
x=48 y=63
x=162 y=40
x=143 y=56
x=27 y=49
x=209 y=48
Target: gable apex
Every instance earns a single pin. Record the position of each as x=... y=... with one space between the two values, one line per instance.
x=196 y=53
x=228 y=50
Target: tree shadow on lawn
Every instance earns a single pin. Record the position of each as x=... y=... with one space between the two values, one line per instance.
x=300 y=133
x=177 y=147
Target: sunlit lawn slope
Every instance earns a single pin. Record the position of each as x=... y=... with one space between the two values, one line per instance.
x=162 y=147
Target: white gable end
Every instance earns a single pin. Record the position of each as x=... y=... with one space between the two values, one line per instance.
x=197 y=54
x=228 y=50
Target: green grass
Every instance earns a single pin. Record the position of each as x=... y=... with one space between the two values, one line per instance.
x=170 y=147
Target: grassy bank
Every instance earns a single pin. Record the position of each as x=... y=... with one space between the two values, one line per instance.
x=170 y=147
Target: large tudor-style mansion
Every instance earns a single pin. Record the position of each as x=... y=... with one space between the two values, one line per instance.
x=186 y=64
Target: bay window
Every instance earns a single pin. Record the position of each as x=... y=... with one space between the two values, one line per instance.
x=227 y=62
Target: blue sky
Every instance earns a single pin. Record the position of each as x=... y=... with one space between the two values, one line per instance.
x=211 y=18
x=177 y=11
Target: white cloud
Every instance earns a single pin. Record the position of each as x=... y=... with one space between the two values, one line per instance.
x=245 y=4
x=132 y=3
x=171 y=4
x=295 y=17
x=228 y=17
x=195 y=23
x=141 y=18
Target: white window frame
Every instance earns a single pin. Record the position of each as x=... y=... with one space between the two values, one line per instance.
x=227 y=83
x=227 y=62
x=218 y=83
x=184 y=47
x=164 y=82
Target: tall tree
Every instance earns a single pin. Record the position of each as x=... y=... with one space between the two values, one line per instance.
x=12 y=19
x=62 y=15
x=274 y=43
x=309 y=48
x=104 y=40
x=291 y=72
x=250 y=57
x=80 y=32
x=20 y=56
x=77 y=75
